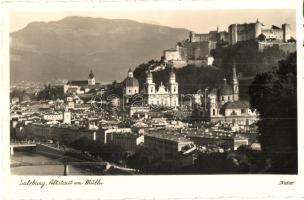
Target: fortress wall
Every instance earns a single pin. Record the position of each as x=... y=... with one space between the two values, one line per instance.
x=275 y=34
x=245 y=32
x=286 y=47
x=198 y=50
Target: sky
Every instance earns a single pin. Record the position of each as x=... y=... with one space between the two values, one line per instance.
x=198 y=20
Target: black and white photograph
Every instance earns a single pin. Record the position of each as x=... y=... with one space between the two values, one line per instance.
x=153 y=93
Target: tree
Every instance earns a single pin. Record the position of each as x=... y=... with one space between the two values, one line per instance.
x=292 y=40
x=144 y=159
x=217 y=163
x=112 y=153
x=274 y=95
x=80 y=144
x=50 y=93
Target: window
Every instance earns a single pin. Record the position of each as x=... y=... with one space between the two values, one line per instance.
x=135 y=90
x=223 y=98
x=228 y=98
x=174 y=89
x=243 y=110
x=151 y=89
x=213 y=112
x=129 y=91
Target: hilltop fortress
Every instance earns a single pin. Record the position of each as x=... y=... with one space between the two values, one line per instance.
x=196 y=49
x=252 y=31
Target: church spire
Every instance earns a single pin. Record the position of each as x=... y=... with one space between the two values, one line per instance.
x=234 y=75
x=235 y=83
x=91 y=75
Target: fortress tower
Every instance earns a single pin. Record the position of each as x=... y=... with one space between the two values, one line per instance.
x=286 y=32
x=191 y=36
x=258 y=28
x=233 y=34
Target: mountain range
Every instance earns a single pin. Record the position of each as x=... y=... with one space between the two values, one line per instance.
x=71 y=47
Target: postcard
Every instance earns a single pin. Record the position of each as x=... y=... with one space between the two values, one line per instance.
x=151 y=99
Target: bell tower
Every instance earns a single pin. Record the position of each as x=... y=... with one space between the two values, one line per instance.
x=91 y=79
x=149 y=83
x=173 y=85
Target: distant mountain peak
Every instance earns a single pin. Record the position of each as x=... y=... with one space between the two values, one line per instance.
x=66 y=48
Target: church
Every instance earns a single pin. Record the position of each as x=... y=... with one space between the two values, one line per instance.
x=80 y=86
x=224 y=104
x=163 y=95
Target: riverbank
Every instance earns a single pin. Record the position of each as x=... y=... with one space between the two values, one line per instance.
x=48 y=155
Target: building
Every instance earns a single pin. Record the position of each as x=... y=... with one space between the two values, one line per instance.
x=131 y=84
x=91 y=79
x=252 y=31
x=128 y=141
x=196 y=49
x=61 y=133
x=106 y=134
x=80 y=86
x=15 y=100
x=166 y=96
x=173 y=54
x=67 y=117
x=224 y=104
x=53 y=116
x=138 y=110
x=167 y=144
x=215 y=36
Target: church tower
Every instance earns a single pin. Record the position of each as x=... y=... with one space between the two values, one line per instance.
x=150 y=88
x=91 y=79
x=67 y=116
x=235 y=84
x=213 y=110
x=173 y=89
x=130 y=73
x=150 y=84
x=173 y=85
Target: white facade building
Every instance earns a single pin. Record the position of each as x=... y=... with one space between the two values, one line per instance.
x=166 y=96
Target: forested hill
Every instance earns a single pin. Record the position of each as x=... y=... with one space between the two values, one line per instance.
x=192 y=78
x=248 y=60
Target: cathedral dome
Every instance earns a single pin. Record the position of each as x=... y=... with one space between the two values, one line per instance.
x=131 y=82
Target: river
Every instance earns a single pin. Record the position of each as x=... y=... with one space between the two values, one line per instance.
x=41 y=170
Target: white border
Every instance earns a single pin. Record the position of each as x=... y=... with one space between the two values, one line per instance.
x=147 y=187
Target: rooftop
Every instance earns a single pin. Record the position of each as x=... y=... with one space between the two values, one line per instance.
x=168 y=136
